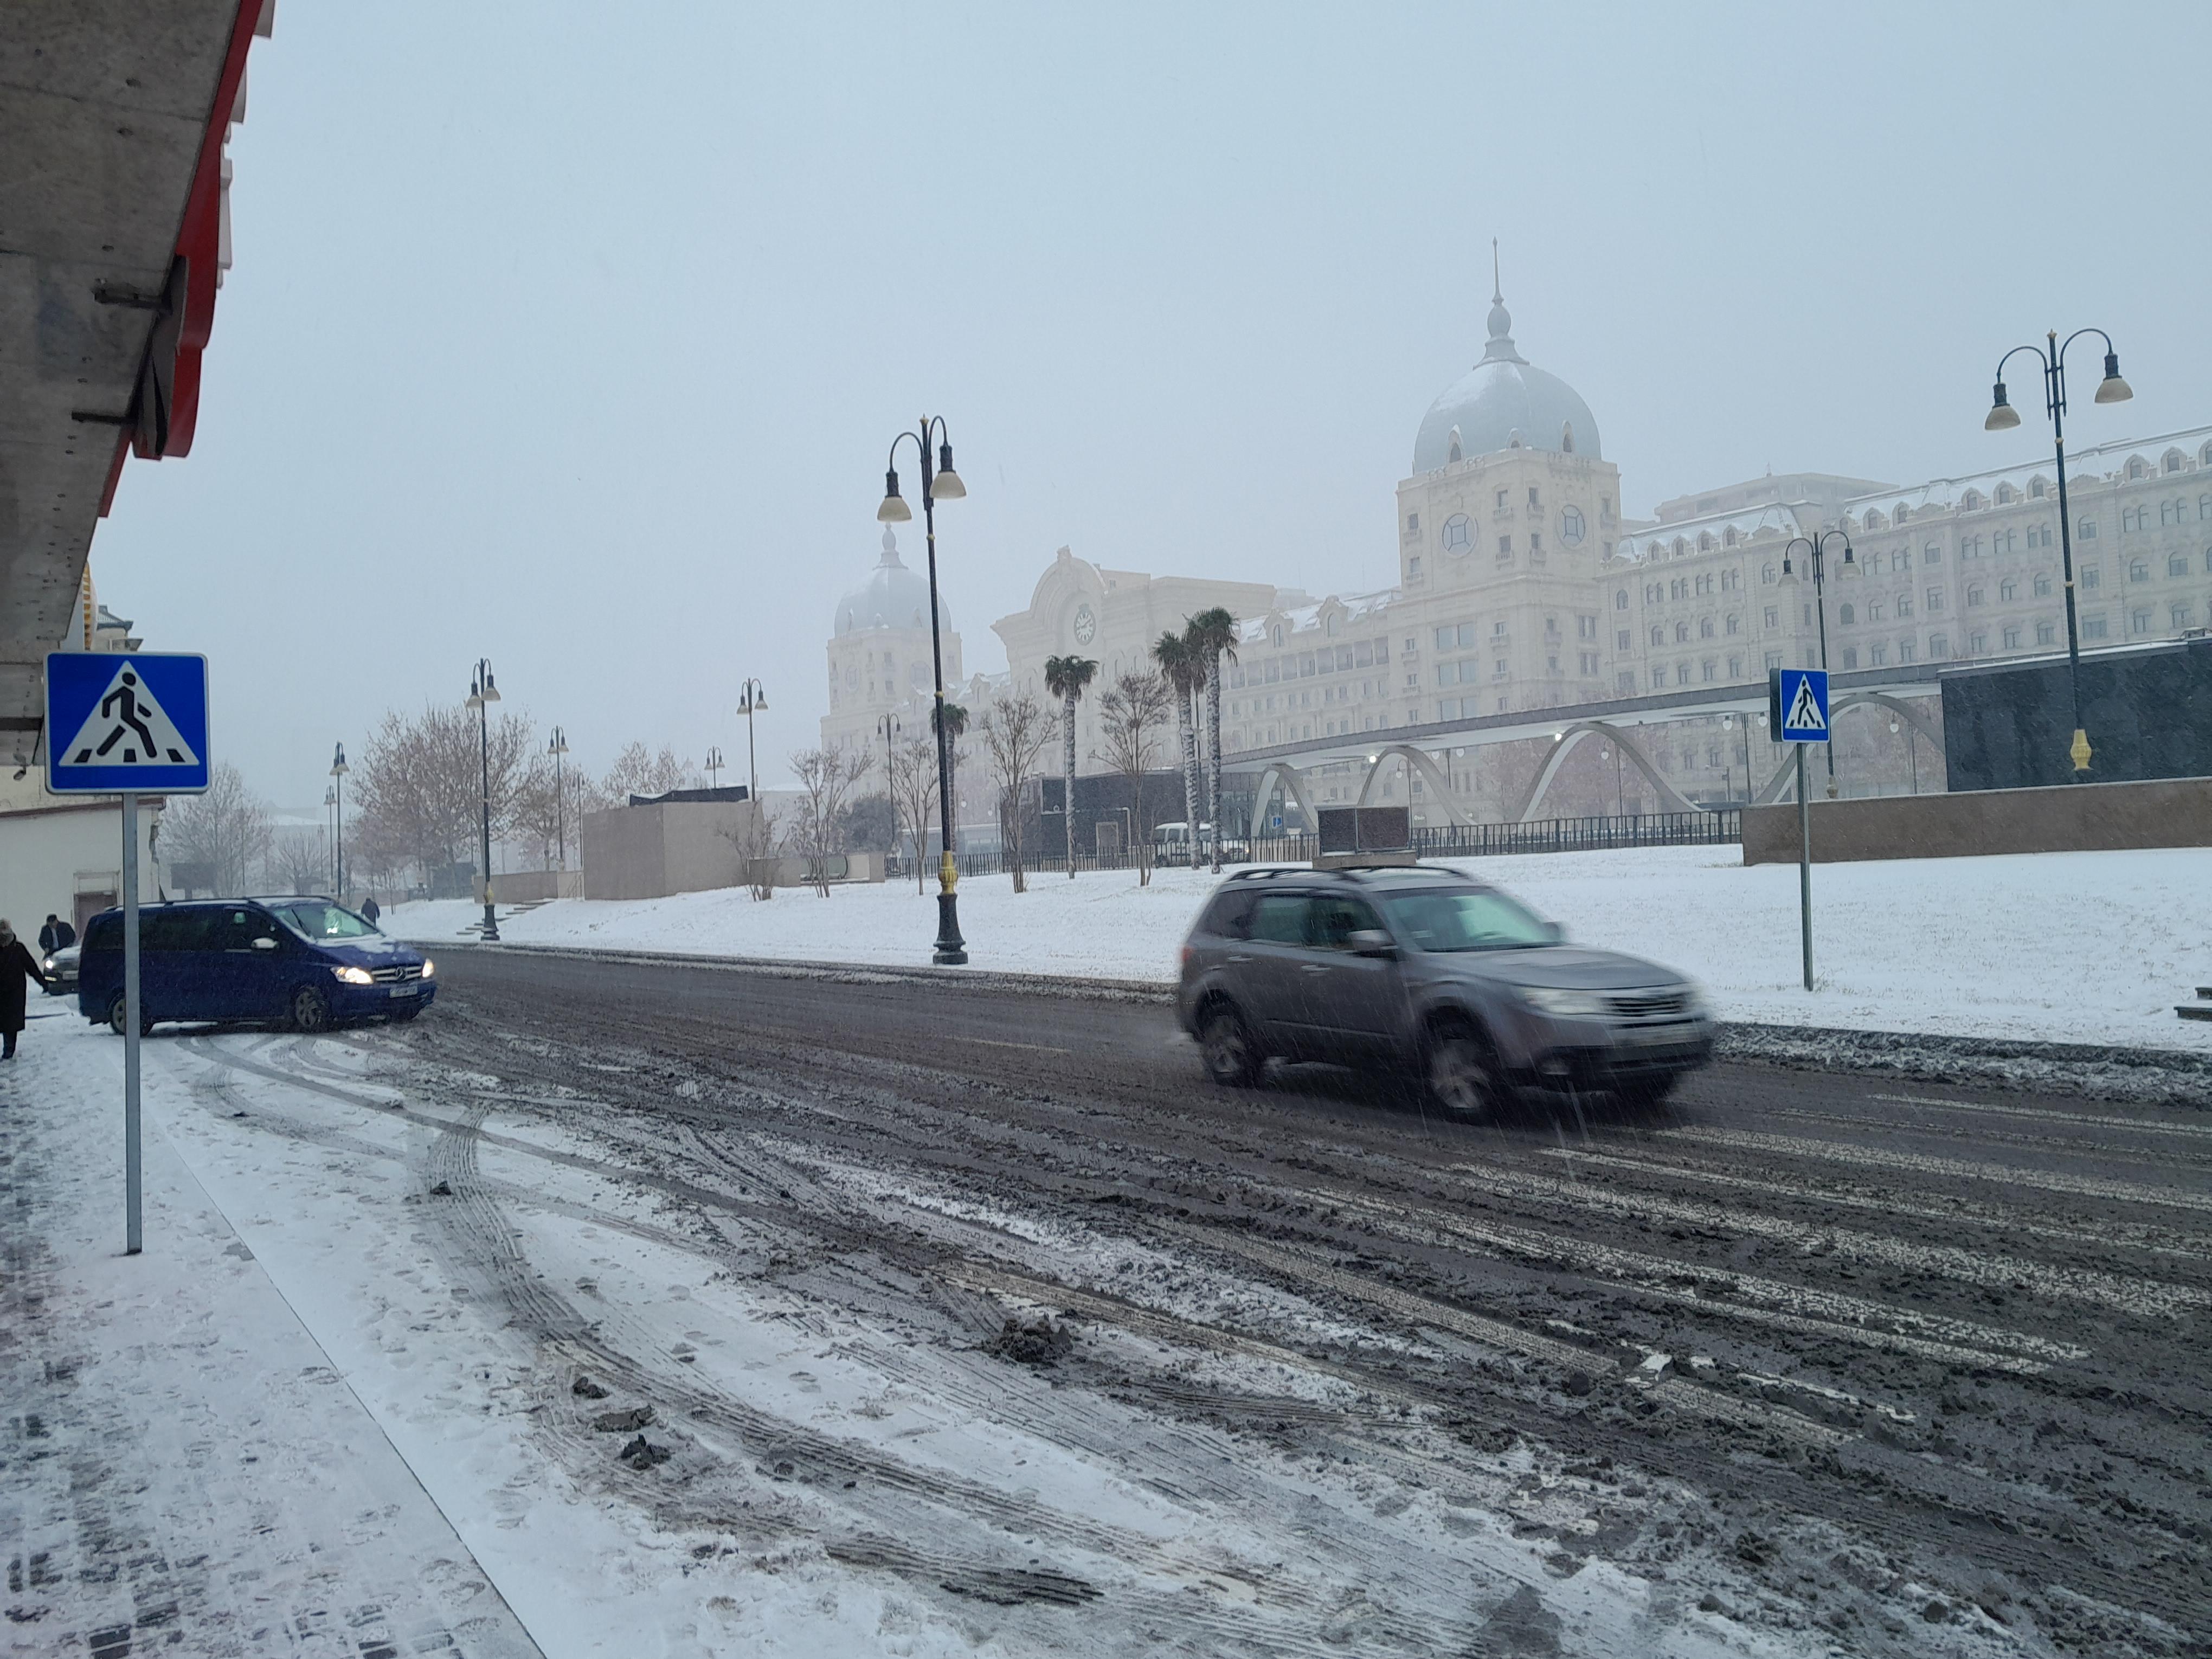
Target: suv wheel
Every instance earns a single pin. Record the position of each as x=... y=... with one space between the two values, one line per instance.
x=1232 y=1059
x=310 y=1009
x=1462 y=1072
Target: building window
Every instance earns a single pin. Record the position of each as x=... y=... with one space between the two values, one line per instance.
x=1708 y=671
x=2012 y=639
x=1904 y=651
x=2136 y=467
x=1658 y=636
x=1847 y=615
x=1850 y=656
x=2086 y=530
x=1973 y=597
x=2177 y=564
x=1572 y=528
x=1681 y=673
x=2035 y=488
x=2133 y=520
x=1767 y=574
x=1681 y=632
x=2139 y=622
x=1413 y=523
x=2045 y=633
x=2092 y=577
x=1877 y=655
x=1589 y=660
x=1535 y=545
x=1736 y=668
x=1585 y=628
x=2179 y=614
x=2009 y=589
x=1658 y=679
x=1622 y=640
x=1458 y=535
x=1534 y=500
x=1704 y=628
x=1934 y=600
x=1932 y=554
x=2092 y=628
x=1774 y=659
x=1625 y=681
x=1939 y=646
x=1905 y=604
x=1620 y=600
x=1504 y=548
x=1735 y=624
x=2138 y=571
x=1412 y=573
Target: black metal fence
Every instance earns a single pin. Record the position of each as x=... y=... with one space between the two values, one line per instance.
x=1715 y=828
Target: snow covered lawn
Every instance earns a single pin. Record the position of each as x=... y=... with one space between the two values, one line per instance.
x=2076 y=947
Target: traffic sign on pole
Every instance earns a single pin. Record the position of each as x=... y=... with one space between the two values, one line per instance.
x=126 y=722
x=123 y=723
x=1800 y=704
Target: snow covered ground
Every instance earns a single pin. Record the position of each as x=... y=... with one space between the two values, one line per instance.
x=2074 y=947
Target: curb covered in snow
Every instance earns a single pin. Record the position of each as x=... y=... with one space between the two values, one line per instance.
x=2105 y=1072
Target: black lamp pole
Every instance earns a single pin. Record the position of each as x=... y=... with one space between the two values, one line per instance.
x=942 y=485
x=1817 y=546
x=2002 y=416
x=482 y=693
x=557 y=746
x=338 y=774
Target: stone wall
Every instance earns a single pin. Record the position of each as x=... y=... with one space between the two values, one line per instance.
x=2070 y=817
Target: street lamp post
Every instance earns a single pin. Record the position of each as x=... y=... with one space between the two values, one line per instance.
x=943 y=486
x=330 y=827
x=714 y=767
x=2003 y=417
x=557 y=746
x=338 y=769
x=751 y=701
x=887 y=727
x=1817 y=549
x=482 y=693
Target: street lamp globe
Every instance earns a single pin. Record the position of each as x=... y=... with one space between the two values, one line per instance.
x=946 y=485
x=2002 y=415
x=2113 y=389
x=894 y=509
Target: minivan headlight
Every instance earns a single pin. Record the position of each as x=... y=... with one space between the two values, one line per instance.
x=428 y=967
x=355 y=975
x=1566 y=1005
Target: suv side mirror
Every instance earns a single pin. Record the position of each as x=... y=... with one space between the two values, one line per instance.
x=1370 y=942
x=264 y=943
x=1558 y=934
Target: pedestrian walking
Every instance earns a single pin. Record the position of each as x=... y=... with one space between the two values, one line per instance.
x=370 y=910
x=17 y=965
x=56 y=935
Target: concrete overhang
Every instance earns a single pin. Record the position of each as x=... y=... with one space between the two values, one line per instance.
x=113 y=118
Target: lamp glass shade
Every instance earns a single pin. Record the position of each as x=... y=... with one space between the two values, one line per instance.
x=946 y=487
x=1788 y=574
x=760 y=701
x=2003 y=417
x=490 y=692
x=474 y=702
x=2113 y=389
x=894 y=510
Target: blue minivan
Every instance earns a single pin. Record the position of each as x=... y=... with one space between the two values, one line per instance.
x=307 y=962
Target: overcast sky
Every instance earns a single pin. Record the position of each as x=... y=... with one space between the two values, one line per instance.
x=574 y=336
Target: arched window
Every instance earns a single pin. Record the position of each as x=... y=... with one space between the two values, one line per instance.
x=1847 y=615
x=2009 y=589
x=1566 y=437
x=1680 y=547
x=1728 y=536
x=1681 y=632
x=1620 y=600
x=1658 y=636
x=1971 y=501
x=2136 y=467
x=2006 y=495
x=1899 y=513
x=1278 y=634
x=1455 y=453
x=2177 y=564
x=1705 y=628
x=2173 y=460
x=1874 y=520
x=2204 y=455
x=1766 y=573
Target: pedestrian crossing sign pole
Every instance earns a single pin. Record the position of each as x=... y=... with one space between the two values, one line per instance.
x=121 y=723
x=1797 y=710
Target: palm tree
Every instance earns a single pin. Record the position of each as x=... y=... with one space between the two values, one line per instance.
x=1185 y=674
x=955 y=727
x=1065 y=678
x=1211 y=635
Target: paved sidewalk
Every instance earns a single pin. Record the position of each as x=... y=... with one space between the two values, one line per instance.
x=182 y=1469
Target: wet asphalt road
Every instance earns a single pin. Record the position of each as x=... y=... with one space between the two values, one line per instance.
x=1927 y=1361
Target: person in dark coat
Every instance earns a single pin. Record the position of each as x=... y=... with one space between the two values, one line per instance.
x=370 y=910
x=17 y=965
x=56 y=935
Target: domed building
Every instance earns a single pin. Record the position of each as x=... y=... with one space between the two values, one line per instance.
x=879 y=656
x=1504 y=403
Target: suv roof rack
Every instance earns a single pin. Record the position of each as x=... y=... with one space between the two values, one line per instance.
x=1353 y=871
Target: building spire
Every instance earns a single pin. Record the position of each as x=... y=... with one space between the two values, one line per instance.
x=1501 y=348
x=1497 y=283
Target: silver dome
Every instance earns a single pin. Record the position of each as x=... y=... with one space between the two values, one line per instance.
x=895 y=597
x=1504 y=403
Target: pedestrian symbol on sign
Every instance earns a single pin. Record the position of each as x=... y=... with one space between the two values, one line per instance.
x=128 y=727
x=1805 y=714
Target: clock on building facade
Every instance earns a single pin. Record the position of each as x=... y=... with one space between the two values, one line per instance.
x=1086 y=625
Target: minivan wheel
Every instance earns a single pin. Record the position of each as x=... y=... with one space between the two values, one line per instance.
x=1462 y=1074
x=1232 y=1059
x=119 y=1018
x=310 y=1009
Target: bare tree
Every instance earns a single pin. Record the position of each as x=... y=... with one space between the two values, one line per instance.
x=1015 y=731
x=1130 y=716
x=826 y=777
x=914 y=792
x=227 y=831
x=299 y=861
x=638 y=771
x=759 y=845
x=421 y=785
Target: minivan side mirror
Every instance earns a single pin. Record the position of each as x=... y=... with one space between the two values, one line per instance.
x=1370 y=942
x=264 y=943
x=1558 y=934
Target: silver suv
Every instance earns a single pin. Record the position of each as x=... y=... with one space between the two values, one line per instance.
x=1434 y=970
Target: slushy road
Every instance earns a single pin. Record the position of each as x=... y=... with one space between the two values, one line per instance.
x=1915 y=1366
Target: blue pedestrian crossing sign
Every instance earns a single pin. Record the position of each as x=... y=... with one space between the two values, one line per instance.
x=1801 y=704
x=119 y=721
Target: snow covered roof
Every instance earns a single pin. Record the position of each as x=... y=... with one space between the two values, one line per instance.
x=2096 y=461
x=1716 y=531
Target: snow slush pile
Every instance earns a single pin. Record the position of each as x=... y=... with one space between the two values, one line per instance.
x=2064 y=947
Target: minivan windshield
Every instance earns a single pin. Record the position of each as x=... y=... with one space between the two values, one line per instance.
x=317 y=919
x=1466 y=918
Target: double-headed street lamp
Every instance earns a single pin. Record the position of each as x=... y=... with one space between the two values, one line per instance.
x=944 y=485
x=337 y=799
x=1816 y=547
x=482 y=693
x=751 y=701
x=2003 y=417
x=557 y=746
x=329 y=830
x=712 y=766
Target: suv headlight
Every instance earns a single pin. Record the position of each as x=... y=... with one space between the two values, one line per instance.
x=355 y=975
x=429 y=968
x=1563 y=1005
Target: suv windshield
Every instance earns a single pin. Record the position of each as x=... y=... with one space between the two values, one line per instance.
x=314 y=918
x=1466 y=918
